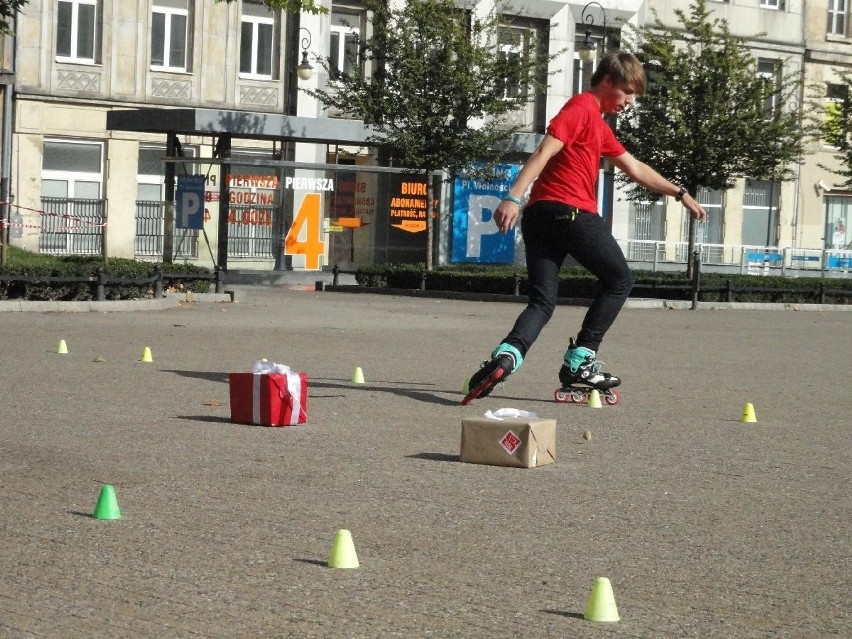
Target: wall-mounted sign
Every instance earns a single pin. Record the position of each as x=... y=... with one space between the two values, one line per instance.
x=475 y=234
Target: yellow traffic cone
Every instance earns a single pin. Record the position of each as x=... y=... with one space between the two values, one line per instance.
x=748 y=413
x=146 y=355
x=594 y=399
x=62 y=348
x=358 y=376
x=601 y=605
x=343 y=553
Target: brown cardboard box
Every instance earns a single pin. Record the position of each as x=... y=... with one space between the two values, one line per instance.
x=519 y=441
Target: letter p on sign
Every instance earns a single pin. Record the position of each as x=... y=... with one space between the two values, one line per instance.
x=477 y=227
x=190 y=202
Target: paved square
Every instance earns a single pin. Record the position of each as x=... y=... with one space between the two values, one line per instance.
x=706 y=526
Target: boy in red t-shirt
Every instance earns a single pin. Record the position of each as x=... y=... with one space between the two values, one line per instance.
x=561 y=218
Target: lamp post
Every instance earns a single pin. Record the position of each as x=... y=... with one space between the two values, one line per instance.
x=305 y=70
x=588 y=48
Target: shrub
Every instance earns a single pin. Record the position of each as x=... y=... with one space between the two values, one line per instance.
x=85 y=270
x=577 y=283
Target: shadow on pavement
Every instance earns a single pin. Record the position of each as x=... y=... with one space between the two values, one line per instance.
x=563 y=613
x=442 y=457
x=217 y=419
x=213 y=376
x=315 y=562
x=428 y=397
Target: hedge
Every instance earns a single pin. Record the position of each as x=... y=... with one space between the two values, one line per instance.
x=576 y=282
x=32 y=265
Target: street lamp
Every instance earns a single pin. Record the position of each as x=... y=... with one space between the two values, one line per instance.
x=588 y=48
x=305 y=70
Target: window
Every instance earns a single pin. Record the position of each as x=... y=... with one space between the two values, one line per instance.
x=838 y=217
x=770 y=71
x=514 y=44
x=835 y=107
x=709 y=231
x=71 y=180
x=71 y=169
x=771 y=4
x=76 y=22
x=581 y=75
x=345 y=36
x=169 y=35
x=257 y=41
x=836 y=17
x=150 y=200
x=252 y=209
x=760 y=213
x=647 y=226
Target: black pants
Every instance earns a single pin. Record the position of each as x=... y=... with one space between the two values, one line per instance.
x=551 y=231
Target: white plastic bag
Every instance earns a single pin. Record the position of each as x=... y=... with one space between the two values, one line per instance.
x=265 y=366
x=508 y=413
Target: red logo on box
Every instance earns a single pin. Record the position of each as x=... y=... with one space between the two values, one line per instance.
x=510 y=442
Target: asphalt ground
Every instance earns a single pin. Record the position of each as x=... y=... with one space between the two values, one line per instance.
x=706 y=526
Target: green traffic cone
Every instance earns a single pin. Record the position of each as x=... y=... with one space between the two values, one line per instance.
x=107 y=506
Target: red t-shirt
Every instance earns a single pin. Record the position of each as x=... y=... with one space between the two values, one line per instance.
x=570 y=175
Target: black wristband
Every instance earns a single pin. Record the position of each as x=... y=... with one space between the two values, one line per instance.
x=680 y=193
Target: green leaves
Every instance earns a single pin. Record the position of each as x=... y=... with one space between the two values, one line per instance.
x=836 y=124
x=291 y=6
x=709 y=116
x=8 y=9
x=432 y=82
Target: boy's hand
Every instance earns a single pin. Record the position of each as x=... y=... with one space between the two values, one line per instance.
x=506 y=215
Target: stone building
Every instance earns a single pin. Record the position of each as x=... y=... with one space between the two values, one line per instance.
x=110 y=107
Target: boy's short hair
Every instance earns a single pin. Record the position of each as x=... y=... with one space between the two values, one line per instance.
x=622 y=68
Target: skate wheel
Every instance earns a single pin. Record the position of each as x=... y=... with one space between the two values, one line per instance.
x=612 y=397
x=562 y=396
x=579 y=396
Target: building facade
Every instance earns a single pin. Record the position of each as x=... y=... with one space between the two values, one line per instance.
x=180 y=128
x=786 y=224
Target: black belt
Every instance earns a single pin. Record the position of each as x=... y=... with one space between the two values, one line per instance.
x=566 y=212
x=570 y=216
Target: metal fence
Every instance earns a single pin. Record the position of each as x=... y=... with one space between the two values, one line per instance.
x=71 y=226
x=248 y=234
x=744 y=259
x=150 y=223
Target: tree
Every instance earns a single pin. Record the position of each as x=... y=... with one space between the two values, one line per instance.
x=8 y=9
x=437 y=96
x=290 y=6
x=708 y=115
x=837 y=126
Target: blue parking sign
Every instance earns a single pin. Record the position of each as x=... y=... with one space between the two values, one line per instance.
x=189 y=202
x=476 y=237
